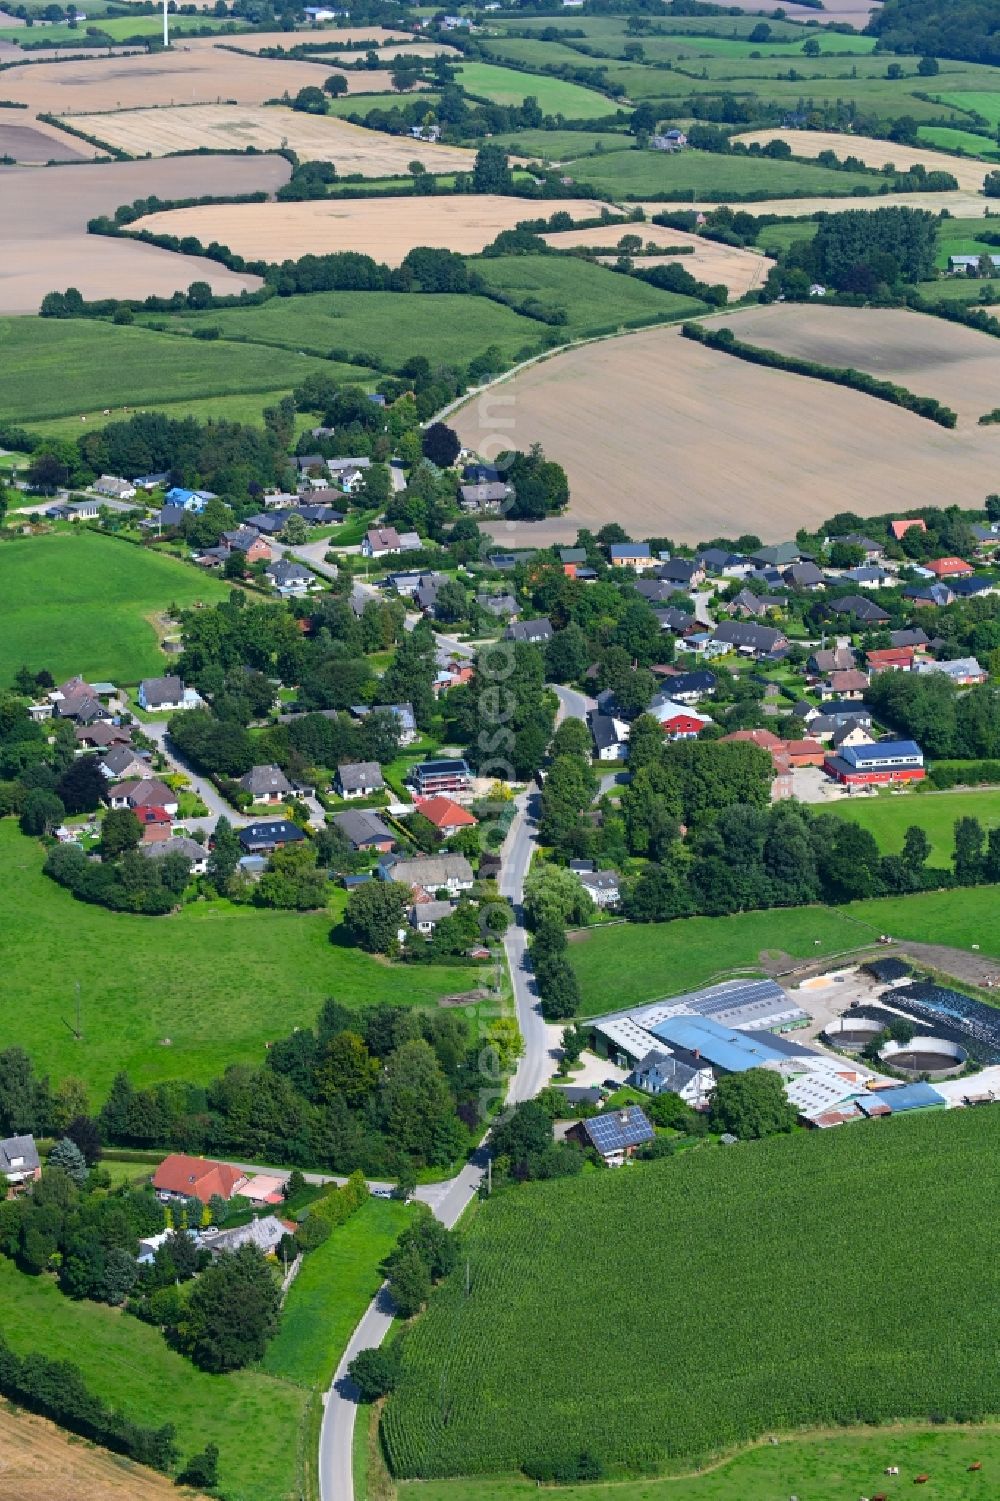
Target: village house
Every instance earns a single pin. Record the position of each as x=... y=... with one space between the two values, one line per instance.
x=156 y=695
x=448 y=774
x=767 y=740
x=615 y=1135
x=290 y=579
x=19 y=1164
x=899 y=529
x=430 y=873
x=948 y=568
x=455 y=676
x=964 y=672
x=484 y=497
x=190 y=849
x=602 y=886
x=861 y=609
x=677 y=721
x=681 y=572
x=831 y=659
x=890 y=659
x=848 y=684
x=660 y=1072
x=748 y=605
x=630 y=555
x=447 y=816
x=381 y=542
x=114 y=486
x=871 y=765
x=532 y=631
x=267 y=784
x=265 y=838
x=425 y=916
x=102 y=735
x=122 y=762
x=181 y=1177
x=156 y=824
x=930 y=596
x=610 y=744
x=751 y=640
x=147 y=792
x=359 y=779
x=364 y=830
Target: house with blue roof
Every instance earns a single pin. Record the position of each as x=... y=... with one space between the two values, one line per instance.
x=191 y=500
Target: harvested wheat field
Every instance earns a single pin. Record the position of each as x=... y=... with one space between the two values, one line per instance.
x=383 y=227
x=184 y=75
x=960 y=204
x=39 y=1462
x=225 y=127
x=36 y=144
x=672 y=439
x=739 y=270
x=874 y=153
x=258 y=41
x=387 y=54
x=854 y=12
x=926 y=355
x=44 y=211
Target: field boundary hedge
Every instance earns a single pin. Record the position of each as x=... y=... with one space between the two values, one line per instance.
x=725 y=340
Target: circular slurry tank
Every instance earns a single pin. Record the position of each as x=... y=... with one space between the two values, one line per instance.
x=852 y=1033
x=935 y=1056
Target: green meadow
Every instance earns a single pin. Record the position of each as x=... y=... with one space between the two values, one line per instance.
x=554 y=95
x=701 y=175
x=888 y=816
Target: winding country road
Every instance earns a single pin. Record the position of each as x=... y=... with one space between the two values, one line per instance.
x=534 y=1069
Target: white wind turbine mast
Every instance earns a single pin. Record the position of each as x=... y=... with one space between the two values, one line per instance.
x=166 y=26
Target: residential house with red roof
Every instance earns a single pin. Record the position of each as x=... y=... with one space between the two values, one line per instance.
x=181 y=1177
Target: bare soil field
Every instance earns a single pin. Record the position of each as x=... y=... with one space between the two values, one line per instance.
x=739 y=270
x=222 y=127
x=854 y=12
x=927 y=355
x=184 y=75
x=35 y=144
x=874 y=153
x=960 y=204
x=383 y=227
x=44 y=212
x=39 y=1462
x=672 y=439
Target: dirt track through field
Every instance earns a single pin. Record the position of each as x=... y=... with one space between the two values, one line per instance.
x=874 y=153
x=672 y=439
x=39 y=1462
x=739 y=270
x=224 y=127
x=926 y=355
x=383 y=227
x=44 y=213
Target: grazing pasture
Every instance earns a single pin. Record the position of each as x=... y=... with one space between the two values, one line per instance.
x=159 y=1018
x=594 y=299
x=702 y=174
x=557 y=1268
x=555 y=95
x=47 y=248
x=229 y=127
x=739 y=270
x=660 y=434
x=377 y=226
x=957 y=365
x=820 y=1466
x=109 y=590
x=889 y=817
x=55 y=368
x=874 y=153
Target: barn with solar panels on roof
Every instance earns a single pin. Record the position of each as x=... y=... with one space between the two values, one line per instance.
x=615 y=1135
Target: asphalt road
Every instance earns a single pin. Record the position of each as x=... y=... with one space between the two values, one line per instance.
x=449 y=1200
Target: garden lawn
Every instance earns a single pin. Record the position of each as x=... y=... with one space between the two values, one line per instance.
x=555 y=96
x=390 y=326
x=704 y=175
x=332 y=1291
x=55 y=367
x=736 y=1278
x=633 y=962
x=823 y=1467
x=177 y=997
x=252 y=1417
x=594 y=298
x=888 y=817
x=78 y=602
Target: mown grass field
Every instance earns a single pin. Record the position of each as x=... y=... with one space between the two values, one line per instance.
x=387 y=325
x=593 y=297
x=888 y=817
x=74 y=601
x=632 y=962
x=985 y=102
x=735 y=1279
x=331 y=1292
x=251 y=1416
x=822 y=1467
x=555 y=96
x=561 y=145
x=360 y=104
x=948 y=139
x=177 y=997
x=52 y=367
x=702 y=175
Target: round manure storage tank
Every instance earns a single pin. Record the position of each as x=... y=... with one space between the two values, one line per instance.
x=852 y=1033
x=936 y=1056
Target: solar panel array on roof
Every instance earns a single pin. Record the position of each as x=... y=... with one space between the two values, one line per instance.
x=619 y=1130
x=753 y=1005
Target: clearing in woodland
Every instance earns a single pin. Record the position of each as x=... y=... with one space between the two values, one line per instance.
x=671 y=439
x=381 y=227
x=959 y=366
x=231 y=127
x=874 y=153
x=548 y=1269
